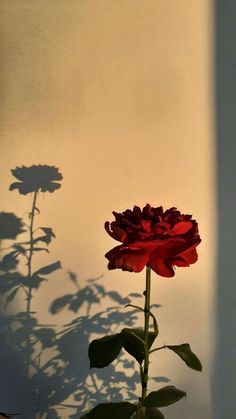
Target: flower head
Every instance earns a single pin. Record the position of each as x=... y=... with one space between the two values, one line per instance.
x=10 y=226
x=154 y=238
x=36 y=178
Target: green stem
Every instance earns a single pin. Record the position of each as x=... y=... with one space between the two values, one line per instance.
x=29 y=263
x=144 y=374
x=157 y=349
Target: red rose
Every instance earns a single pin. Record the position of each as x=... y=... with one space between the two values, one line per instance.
x=151 y=237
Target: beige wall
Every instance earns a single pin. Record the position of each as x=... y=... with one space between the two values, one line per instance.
x=118 y=95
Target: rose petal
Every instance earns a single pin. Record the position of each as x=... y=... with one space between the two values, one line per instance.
x=168 y=248
x=188 y=257
x=115 y=232
x=132 y=260
x=161 y=267
x=182 y=227
x=118 y=233
x=113 y=251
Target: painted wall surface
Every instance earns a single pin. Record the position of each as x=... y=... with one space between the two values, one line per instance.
x=118 y=95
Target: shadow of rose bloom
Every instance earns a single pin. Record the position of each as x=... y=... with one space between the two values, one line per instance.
x=10 y=226
x=36 y=178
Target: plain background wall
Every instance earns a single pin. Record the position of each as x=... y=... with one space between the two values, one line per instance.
x=118 y=95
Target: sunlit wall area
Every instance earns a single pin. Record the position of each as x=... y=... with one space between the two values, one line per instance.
x=118 y=95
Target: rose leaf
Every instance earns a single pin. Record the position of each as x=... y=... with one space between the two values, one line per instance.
x=164 y=397
x=185 y=353
x=105 y=350
x=122 y=410
x=148 y=413
x=134 y=342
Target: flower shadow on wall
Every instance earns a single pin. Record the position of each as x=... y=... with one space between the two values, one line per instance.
x=19 y=328
x=45 y=367
x=36 y=178
x=10 y=226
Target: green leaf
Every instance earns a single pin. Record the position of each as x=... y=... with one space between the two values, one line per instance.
x=140 y=333
x=148 y=413
x=153 y=413
x=185 y=353
x=134 y=342
x=140 y=414
x=122 y=410
x=164 y=397
x=49 y=268
x=134 y=345
x=105 y=350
